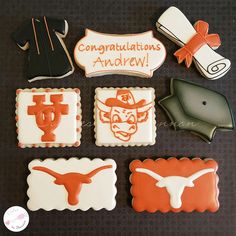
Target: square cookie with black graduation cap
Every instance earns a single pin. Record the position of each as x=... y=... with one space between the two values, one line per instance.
x=124 y=116
x=48 y=117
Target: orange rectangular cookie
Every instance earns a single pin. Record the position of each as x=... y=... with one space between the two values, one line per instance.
x=174 y=185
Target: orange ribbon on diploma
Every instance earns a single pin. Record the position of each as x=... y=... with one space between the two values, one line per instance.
x=196 y=42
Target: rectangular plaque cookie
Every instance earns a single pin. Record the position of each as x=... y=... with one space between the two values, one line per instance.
x=130 y=54
x=72 y=184
x=174 y=185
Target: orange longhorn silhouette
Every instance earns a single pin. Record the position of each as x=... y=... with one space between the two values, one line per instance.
x=72 y=181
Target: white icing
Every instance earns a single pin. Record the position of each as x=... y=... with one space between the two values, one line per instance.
x=44 y=193
x=86 y=59
x=146 y=131
x=175 y=185
x=174 y=25
x=28 y=131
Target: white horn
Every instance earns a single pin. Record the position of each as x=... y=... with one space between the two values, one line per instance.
x=199 y=174
x=150 y=173
x=146 y=107
x=102 y=107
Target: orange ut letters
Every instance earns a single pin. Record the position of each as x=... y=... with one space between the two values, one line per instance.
x=48 y=117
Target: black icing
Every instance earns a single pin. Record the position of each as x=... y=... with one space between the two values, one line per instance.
x=44 y=61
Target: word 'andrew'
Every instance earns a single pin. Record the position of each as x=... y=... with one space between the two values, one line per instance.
x=120 y=61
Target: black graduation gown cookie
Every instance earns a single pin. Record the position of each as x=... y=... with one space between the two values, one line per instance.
x=47 y=56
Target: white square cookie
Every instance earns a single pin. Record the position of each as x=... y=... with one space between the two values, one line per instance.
x=72 y=184
x=124 y=116
x=48 y=117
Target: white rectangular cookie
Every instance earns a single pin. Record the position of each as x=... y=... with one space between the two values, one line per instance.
x=72 y=184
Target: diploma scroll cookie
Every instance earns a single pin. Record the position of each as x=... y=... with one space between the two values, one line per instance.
x=124 y=116
x=130 y=54
x=195 y=42
x=48 y=117
x=72 y=184
x=174 y=185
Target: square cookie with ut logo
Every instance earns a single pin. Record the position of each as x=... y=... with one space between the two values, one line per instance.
x=124 y=116
x=48 y=117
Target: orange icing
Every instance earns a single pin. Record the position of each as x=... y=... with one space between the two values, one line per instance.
x=72 y=181
x=196 y=42
x=48 y=117
x=149 y=197
x=122 y=113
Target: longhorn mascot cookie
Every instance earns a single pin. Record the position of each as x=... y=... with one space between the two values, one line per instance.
x=124 y=117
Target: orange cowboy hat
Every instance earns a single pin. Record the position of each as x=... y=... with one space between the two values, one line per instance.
x=125 y=99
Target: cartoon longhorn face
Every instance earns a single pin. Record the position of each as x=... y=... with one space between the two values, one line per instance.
x=123 y=114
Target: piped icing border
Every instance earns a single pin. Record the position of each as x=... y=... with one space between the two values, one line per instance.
x=125 y=144
x=109 y=37
x=52 y=160
x=208 y=162
x=78 y=117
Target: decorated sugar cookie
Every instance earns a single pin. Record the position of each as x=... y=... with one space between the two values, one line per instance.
x=130 y=54
x=174 y=185
x=47 y=56
x=197 y=109
x=48 y=117
x=124 y=116
x=195 y=42
x=72 y=184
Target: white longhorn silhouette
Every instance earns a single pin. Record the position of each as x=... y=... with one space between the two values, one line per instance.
x=175 y=184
